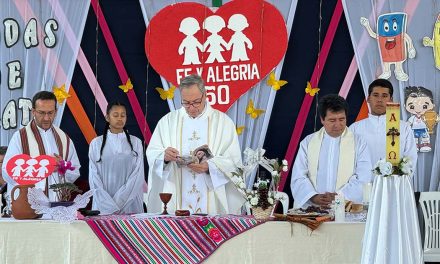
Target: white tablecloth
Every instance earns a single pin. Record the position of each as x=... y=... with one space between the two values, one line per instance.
x=392 y=233
x=45 y=241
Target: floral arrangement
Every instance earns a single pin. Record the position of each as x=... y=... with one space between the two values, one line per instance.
x=385 y=168
x=264 y=193
x=277 y=168
x=64 y=189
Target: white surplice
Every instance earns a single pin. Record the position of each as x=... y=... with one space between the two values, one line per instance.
x=118 y=178
x=50 y=147
x=372 y=129
x=303 y=189
x=218 y=195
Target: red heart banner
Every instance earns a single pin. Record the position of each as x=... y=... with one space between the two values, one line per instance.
x=24 y=169
x=232 y=48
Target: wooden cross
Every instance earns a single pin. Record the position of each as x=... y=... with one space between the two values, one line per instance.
x=393 y=132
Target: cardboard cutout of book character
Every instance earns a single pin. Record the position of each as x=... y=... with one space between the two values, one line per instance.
x=394 y=43
x=434 y=42
x=420 y=104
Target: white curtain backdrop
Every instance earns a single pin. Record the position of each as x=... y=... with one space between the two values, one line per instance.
x=421 y=16
x=54 y=29
x=263 y=96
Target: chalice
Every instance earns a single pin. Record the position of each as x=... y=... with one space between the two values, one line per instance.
x=165 y=198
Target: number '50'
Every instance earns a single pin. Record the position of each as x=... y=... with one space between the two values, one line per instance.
x=217 y=95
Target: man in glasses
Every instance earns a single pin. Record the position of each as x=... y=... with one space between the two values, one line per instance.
x=200 y=188
x=41 y=137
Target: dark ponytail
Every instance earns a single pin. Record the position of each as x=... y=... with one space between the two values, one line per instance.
x=104 y=139
x=129 y=141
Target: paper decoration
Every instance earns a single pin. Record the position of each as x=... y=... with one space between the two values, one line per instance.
x=252 y=111
x=240 y=130
x=166 y=94
x=419 y=103
x=251 y=159
x=24 y=169
x=394 y=43
x=60 y=93
x=434 y=42
x=127 y=86
x=232 y=49
x=275 y=84
x=41 y=204
x=311 y=91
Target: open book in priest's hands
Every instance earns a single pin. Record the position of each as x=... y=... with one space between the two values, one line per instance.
x=199 y=155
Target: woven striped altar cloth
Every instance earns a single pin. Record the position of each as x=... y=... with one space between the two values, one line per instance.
x=167 y=239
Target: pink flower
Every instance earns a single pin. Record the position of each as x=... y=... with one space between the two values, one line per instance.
x=64 y=166
x=202 y=221
x=215 y=234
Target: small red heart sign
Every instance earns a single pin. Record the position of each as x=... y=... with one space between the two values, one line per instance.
x=24 y=169
x=232 y=48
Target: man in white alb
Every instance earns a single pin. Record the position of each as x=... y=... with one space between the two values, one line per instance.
x=41 y=137
x=372 y=129
x=331 y=160
x=200 y=188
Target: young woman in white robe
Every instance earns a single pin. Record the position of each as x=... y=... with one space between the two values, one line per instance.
x=116 y=166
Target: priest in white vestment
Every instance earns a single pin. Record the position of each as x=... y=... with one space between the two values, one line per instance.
x=41 y=137
x=203 y=187
x=116 y=166
x=373 y=128
x=330 y=161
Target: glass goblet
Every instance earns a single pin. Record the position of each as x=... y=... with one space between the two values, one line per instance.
x=165 y=198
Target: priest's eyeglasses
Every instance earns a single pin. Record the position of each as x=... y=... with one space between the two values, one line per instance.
x=43 y=113
x=194 y=104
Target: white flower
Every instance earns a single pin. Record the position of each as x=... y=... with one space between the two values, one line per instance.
x=284 y=162
x=406 y=168
x=285 y=168
x=385 y=168
x=254 y=201
x=377 y=165
x=406 y=160
x=242 y=185
x=274 y=173
x=270 y=200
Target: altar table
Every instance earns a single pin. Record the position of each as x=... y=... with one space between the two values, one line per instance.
x=46 y=241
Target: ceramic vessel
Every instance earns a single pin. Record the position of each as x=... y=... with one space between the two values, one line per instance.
x=21 y=209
